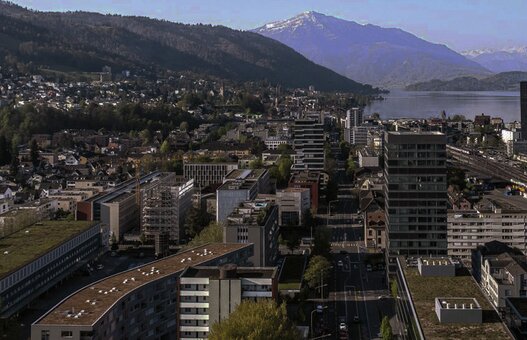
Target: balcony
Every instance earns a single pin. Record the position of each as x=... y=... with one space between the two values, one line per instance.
x=194 y=305
x=194 y=293
x=257 y=294
x=194 y=328
x=193 y=316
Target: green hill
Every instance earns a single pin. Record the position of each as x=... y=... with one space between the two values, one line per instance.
x=85 y=42
x=506 y=81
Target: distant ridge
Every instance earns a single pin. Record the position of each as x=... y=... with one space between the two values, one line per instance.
x=85 y=42
x=506 y=81
x=368 y=53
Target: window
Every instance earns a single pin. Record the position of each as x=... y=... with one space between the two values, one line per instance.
x=66 y=334
x=44 y=335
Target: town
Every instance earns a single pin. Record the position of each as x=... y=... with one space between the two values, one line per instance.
x=184 y=189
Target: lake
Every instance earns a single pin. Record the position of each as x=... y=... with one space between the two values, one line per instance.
x=409 y=104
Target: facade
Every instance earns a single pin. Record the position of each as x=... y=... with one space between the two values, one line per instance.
x=292 y=203
x=230 y=194
x=495 y=218
x=416 y=193
x=207 y=174
x=274 y=142
x=164 y=205
x=516 y=316
x=353 y=117
x=121 y=214
x=308 y=180
x=375 y=229
x=209 y=294
x=308 y=144
x=523 y=104
x=140 y=303
x=504 y=276
x=255 y=222
x=26 y=271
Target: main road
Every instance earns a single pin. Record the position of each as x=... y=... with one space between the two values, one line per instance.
x=358 y=296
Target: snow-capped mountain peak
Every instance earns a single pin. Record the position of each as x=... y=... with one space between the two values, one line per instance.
x=500 y=60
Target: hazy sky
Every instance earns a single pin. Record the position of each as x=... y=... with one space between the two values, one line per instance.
x=460 y=24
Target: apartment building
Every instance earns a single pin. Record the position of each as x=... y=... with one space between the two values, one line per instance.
x=255 y=222
x=121 y=214
x=497 y=217
x=140 y=303
x=207 y=174
x=37 y=257
x=308 y=143
x=209 y=294
x=503 y=276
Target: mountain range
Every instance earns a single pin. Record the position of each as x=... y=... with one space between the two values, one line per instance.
x=506 y=81
x=510 y=59
x=86 y=42
x=375 y=55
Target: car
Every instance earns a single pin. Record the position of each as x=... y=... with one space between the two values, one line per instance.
x=100 y=266
x=343 y=326
x=356 y=319
x=368 y=268
x=340 y=264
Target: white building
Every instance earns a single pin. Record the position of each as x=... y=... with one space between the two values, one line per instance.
x=292 y=203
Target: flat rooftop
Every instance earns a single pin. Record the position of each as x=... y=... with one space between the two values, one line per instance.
x=96 y=298
x=27 y=244
x=245 y=174
x=237 y=185
x=498 y=199
x=424 y=290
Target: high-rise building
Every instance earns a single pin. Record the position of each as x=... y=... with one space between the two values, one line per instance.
x=308 y=144
x=416 y=193
x=523 y=103
x=353 y=118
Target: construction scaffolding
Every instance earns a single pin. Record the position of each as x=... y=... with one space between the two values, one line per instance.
x=164 y=204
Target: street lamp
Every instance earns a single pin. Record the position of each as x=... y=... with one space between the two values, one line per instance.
x=319 y=310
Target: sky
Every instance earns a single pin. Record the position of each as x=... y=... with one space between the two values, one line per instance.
x=459 y=24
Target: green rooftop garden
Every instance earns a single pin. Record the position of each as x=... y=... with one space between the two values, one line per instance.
x=31 y=242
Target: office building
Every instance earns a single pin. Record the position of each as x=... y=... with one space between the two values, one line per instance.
x=36 y=258
x=292 y=204
x=523 y=108
x=140 y=303
x=207 y=174
x=415 y=193
x=496 y=217
x=230 y=194
x=209 y=294
x=255 y=222
x=309 y=180
x=121 y=214
x=308 y=144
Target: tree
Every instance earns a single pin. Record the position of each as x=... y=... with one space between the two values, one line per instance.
x=13 y=169
x=165 y=147
x=33 y=152
x=146 y=136
x=321 y=244
x=5 y=155
x=196 y=220
x=350 y=167
x=317 y=270
x=183 y=126
x=213 y=233
x=113 y=242
x=293 y=240
x=256 y=164
x=386 y=329
x=262 y=319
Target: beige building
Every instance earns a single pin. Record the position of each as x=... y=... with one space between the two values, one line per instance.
x=292 y=203
x=121 y=214
x=504 y=276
